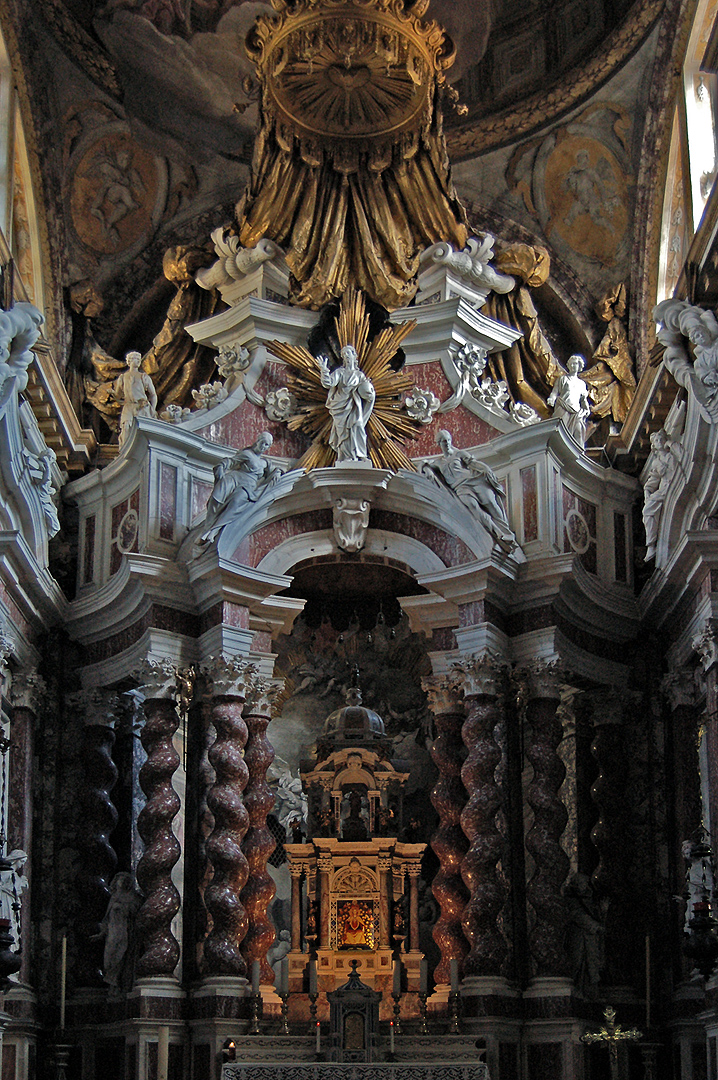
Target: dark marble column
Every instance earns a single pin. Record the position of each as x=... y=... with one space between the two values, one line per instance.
x=97 y=819
x=483 y=680
x=159 y=949
x=228 y=680
x=543 y=840
x=449 y=841
x=258 y=843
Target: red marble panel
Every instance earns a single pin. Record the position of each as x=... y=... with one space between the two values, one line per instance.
x=443 y=639
x=451 y=550
x=271 y=536
x=241 y=427
x=88 y=568
x=158 y=616
x=262 y=642
x=471 y=614
x=466 y=428
x=168 y=500
x=199 y=497
x=530 y=503
x=236 y=615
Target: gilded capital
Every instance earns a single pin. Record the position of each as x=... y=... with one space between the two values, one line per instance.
x=444 y=693
x=228 y=676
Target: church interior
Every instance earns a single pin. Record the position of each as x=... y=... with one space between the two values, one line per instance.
x=358 y=487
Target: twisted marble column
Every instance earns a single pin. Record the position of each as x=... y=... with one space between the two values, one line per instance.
x=228 y=681
x=258 y=843
x=543 y=840
x=482 y=679
x=97 y=818
x=159 y=950
x=449 y=842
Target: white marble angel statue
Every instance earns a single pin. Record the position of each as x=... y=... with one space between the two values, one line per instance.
x=570 y=401
x=660 y=469
x=475 y=485
x=680 y=321
x=349 y=402
x=136 y=391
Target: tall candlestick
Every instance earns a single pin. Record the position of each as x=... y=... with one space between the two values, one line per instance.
x=255 y=976
x=396 y=984
x=63 y=981
x=312 y=977
x=391 y=1036
x=163 y=1052
x=454 y=967
x=648 y=982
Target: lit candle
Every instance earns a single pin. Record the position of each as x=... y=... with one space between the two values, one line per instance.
x=63 y=981
x=454 y=966
x=319 y=1036
x=312 y=977
x=391 y=1036
x=396 y=987
x=648 y=982
x=423 y=976
x=255 y=976
x=163 y=1052
x=284 y=976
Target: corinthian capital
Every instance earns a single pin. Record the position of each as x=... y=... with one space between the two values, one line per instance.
x=96 y=706
x=484 y=675
x=264 y=696
x=444 y=693
x=27 y=690
x=157 y=678
x=228 y=676
x=542 y=679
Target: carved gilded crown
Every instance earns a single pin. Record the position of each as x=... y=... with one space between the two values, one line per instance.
x=362 y=71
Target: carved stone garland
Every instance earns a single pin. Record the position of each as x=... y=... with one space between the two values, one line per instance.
x=258 y=842
x=482 y=680
x=160 y=951
x=543 y=840
x=97 y=819
x=449 y=842
x=229 y=679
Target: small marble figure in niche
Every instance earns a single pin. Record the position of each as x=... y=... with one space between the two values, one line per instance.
x=116 y=927
x=12 y=885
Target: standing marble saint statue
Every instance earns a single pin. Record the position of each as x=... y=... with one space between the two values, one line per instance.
x=12 y=885
x=475 y=485
x=238 y=481
x=349 y=402
x=661 y=466
x=136 y=391
x=123 y=905
x=569 y=399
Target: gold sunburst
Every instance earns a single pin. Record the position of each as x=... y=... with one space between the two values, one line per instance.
x=388 y=424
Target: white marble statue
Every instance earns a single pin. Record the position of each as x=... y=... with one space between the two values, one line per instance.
x=238 y=481
x=12 y=885
x=350 y=402
x=136 y=391
x=680 y=321
x=569 y=399
x=278 y=951
x=291 y=802
x=123 y=905
x=660 y=469
x=475 y=485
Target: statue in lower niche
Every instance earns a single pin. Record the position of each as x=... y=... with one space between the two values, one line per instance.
x=475 y=485
x=136 y=391
x=116 y=927
x=584 y=932
x=238 y=481
x=349 y=402
x=569 y=399
x=12 y=885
